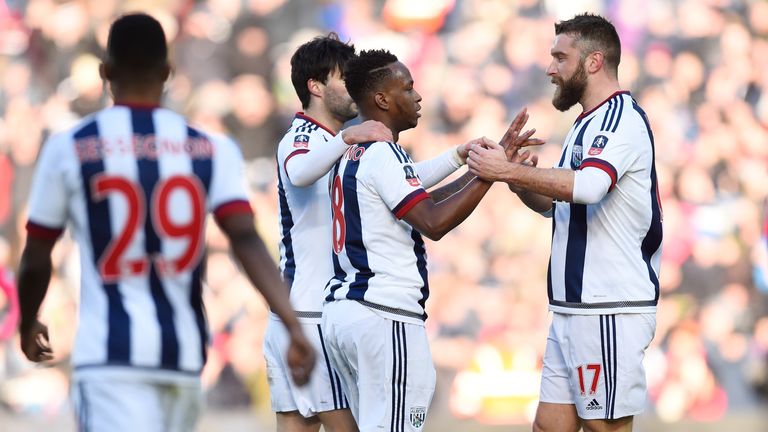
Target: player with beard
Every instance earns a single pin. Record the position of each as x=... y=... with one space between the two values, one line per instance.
x=603 y=273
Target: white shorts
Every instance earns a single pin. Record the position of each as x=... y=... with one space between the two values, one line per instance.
x=323 y=391
x=385 y=366
x=109 y=404
x=596 y=363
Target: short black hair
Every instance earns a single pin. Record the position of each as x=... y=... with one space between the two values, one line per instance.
x=594 y=33
x=366 y=72
x=136 y=47
x=316 y=59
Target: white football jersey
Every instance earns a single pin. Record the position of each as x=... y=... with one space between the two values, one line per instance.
x=606 y=256
x=305 y=244
x=136 y=184
x=379 y=260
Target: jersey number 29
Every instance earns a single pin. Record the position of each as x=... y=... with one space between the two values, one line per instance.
x=111 y=264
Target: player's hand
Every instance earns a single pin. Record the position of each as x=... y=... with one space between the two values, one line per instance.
x=513 y=140
x=488 y=161
x=35 y=343
x=301 y=357
x=367 y=131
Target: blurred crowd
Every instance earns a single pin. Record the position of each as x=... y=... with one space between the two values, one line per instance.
x=699 y=68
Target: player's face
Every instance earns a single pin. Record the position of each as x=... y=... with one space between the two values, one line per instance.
x=336 y=99
x=404 y=99
x=567 y=72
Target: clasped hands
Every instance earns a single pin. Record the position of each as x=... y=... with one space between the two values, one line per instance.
x=493 y=161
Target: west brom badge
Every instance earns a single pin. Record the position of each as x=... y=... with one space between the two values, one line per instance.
x=418 y=415
x=576 y=156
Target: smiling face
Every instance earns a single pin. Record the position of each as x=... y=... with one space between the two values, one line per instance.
x=403 y=98
x=567 y=72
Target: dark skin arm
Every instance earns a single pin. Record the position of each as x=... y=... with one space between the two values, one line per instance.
x=434 y=220
x=441 y=193
x=258 y=265
x=35 y=272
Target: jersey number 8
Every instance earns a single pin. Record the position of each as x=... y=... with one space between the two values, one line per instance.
x=339 y=225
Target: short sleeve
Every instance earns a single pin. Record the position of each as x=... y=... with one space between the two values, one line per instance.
x=228 y=192
x=49 y=196
x=611 y=152
x=395 y=180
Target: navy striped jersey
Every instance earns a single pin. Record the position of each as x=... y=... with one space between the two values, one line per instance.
x=378 y=259
x=135 y=184
x=305 y=221
x=606 y=256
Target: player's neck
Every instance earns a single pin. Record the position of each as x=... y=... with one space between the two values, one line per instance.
x=324 y=118
x=597 y=94
x=124 y=95
x=383 y=119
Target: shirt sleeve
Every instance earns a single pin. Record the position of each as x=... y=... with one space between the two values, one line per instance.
x=227 y=193
x=395 y=179
x=311 y=157
x=49 y=195
x=435 y=170
x=610 y=152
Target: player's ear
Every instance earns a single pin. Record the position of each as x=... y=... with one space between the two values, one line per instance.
x=315 y=87
x=105 y=71
x=595 y=62
x=381 y=101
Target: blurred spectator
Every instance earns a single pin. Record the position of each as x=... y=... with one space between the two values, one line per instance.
x=697 y=66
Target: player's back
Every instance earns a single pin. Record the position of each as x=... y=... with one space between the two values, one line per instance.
x=136 y=184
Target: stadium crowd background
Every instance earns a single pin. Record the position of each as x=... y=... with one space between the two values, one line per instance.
x=698 y=67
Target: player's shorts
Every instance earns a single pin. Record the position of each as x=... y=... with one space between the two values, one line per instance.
x=385 y=366
x=596 y=363
x=109 y=404
x=322 y=393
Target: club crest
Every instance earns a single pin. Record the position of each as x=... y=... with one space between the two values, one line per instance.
x=411 y=176
x=418 y=415
x=598 y=145
x=576 y=156
x=301 y=141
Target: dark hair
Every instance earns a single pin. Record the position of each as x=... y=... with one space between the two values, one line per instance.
x=136 y=47
x=594 y=33
x=316 y=59
x=366 y=72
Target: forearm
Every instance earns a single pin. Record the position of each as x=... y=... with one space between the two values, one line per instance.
x=258 y=265
x=440 y=194
x=435 y=170
x=536 y=202
x=452 y=211
x=550 y=182
x=34 y=277
x=305 y=168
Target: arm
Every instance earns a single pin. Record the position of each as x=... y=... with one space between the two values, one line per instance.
x=35 y=272
x=435 y=170
x=451 y=188
x=309 y=165
x=586 y=186
x=435 y=220
x=250 y=251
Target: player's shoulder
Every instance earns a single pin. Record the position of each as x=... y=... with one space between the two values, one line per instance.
x=304 y=133
x=386 y=150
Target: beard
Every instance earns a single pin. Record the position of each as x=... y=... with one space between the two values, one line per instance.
x=570 y=91
x=341 y=107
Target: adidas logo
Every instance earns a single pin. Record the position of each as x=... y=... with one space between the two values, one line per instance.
x=594 y=405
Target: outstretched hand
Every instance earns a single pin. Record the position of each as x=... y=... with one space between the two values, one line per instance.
x=487 y=160
x=367 y=131
x=513 y=140
x=35 y=343
x=301 y=358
